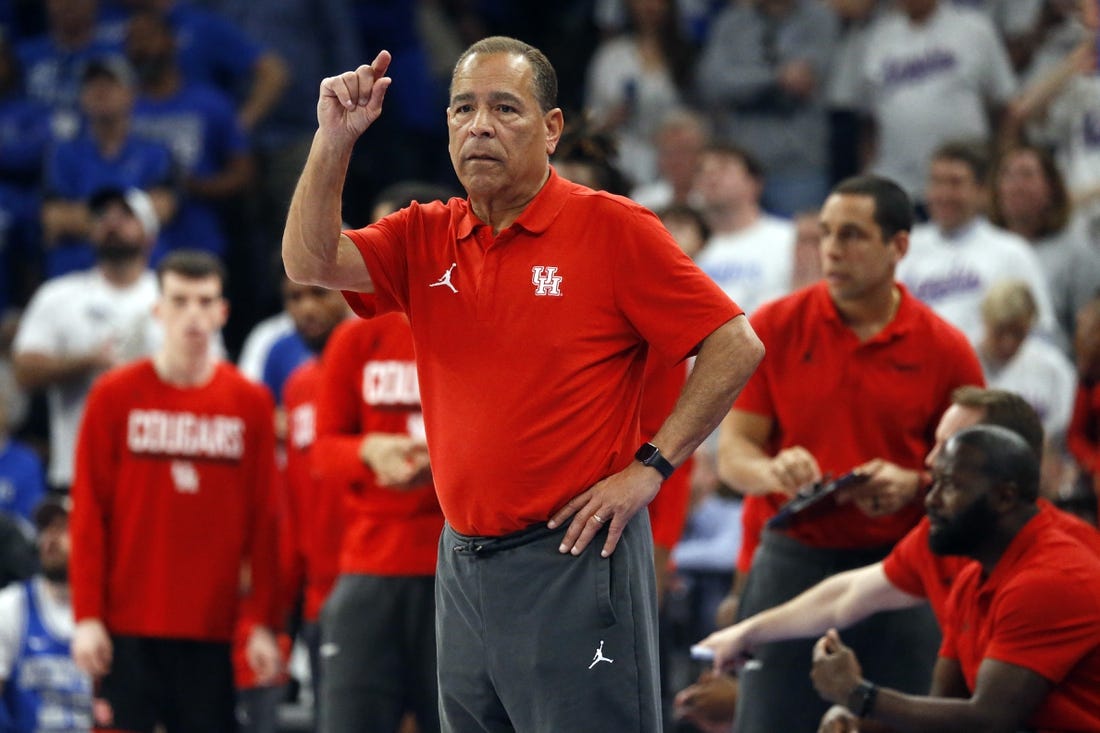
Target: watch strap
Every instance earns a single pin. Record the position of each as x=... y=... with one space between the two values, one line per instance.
x=862 y=698
x=650 y=455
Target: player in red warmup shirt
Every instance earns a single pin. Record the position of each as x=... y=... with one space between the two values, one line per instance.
x=377 y=626
x=173 y=526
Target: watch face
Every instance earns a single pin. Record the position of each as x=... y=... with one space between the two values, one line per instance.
x=646 y=453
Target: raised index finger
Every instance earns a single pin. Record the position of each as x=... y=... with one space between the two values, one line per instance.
x=381 y=63
x=368 y=74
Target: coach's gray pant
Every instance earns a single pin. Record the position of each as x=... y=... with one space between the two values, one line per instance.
x=535 y=641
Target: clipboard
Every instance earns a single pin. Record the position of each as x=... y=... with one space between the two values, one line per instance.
x=811 y=495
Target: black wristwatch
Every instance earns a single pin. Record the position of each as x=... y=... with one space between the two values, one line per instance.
x=862 y=699
x=650 y=455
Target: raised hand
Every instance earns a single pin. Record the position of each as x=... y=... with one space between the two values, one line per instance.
x=350 y=102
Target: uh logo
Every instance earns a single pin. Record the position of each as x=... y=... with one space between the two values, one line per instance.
x=546 y=280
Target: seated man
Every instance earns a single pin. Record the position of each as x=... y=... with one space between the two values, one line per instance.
x=1020 y=647
x=910 y=575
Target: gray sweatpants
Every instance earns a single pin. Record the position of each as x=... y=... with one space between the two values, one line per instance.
x=534 y=641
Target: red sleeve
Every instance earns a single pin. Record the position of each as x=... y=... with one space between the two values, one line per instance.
x=262 y=548
x=291 y=561
x=95 y=475
x=382 y=247
x=1083 y=436
x=699 y=305
x=948 y=648
x=293 y=539
x=297 y=401
x=902 y=565
x=339 y=403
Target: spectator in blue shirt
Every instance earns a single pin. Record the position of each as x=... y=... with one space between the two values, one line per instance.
x=52 y=63
x=214 y=51
x=106 y=155
x=198 y=124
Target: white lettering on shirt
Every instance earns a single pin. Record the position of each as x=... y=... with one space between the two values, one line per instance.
x=390 y=383
x=185 y=434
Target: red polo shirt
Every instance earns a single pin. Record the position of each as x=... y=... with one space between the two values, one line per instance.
x=848 y=401
x=1039 y=609
x=915 y=569
x=531 y=344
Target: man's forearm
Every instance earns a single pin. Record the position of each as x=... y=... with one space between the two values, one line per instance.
x=36 y=370
x=726 y=360
x=229 y=181
x=807 y=615
x=270 y=78
x=747 y=470
x=917 y=714
x=62 y=218
x=311 y=239
x=839 y=601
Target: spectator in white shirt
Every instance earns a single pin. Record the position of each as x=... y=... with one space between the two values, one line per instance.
x=954 y=259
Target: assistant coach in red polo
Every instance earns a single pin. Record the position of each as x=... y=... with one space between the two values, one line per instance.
x=534 y=304
x=1021 y=649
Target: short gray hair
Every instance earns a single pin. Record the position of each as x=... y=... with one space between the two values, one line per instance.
x=545 y=78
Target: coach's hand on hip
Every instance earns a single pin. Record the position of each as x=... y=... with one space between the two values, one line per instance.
x=612 y=502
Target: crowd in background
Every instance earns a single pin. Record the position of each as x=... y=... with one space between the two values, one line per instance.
x=730 y=119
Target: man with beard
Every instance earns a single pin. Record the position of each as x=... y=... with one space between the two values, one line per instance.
x=1020 y=647
x=78 y=325
x=41 y=687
